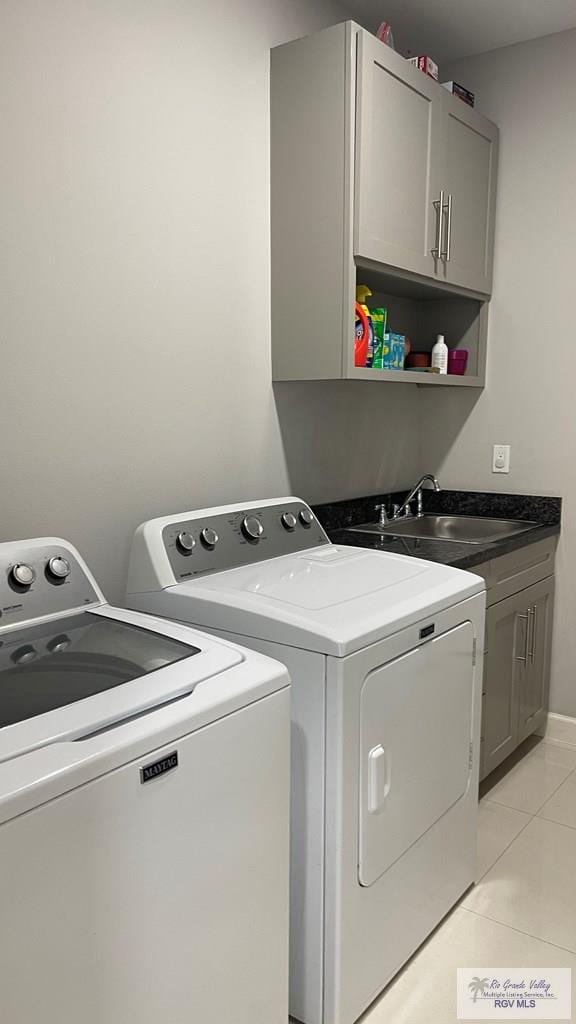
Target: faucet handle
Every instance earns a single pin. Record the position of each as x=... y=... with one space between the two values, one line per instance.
x=401 y=512
x=381 y=508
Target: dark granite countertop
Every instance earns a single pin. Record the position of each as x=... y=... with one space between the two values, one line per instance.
x=337 y=518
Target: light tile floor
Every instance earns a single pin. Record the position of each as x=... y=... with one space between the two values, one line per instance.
x=522 y=912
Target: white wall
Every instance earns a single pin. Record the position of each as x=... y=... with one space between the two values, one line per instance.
x=529 y=401
x=134 y=203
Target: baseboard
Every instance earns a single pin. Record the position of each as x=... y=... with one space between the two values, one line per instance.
x=559 y=729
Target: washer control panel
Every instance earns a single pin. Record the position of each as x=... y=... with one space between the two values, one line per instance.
x=38 y=580
x=227 y=540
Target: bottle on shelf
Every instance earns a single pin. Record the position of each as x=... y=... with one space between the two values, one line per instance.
x=362 y=293
x=440 y=354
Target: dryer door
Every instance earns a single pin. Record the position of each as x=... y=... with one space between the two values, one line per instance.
x=416 y=729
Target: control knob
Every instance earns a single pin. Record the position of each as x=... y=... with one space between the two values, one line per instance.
x=252 y=528
x=58 y=644
x=24 y=655
x=209 y=537
x=58 y=567
x=185 y=542
x=306 y=517
x=288 y=521
x=22 y=574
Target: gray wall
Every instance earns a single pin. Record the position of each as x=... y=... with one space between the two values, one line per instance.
x=529 y=402
x=134 y=333
x=134 y=203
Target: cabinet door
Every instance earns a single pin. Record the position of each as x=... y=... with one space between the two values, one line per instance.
x=469 y=183
x=533 y=692
x=398 y=160
x=504 y=675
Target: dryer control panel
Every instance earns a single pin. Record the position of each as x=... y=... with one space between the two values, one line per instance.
x=207 y=543
x=39 y=578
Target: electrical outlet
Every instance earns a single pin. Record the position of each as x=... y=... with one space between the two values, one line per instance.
x=501 y=458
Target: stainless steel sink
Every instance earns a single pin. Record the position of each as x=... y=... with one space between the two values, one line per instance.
x=463 y=529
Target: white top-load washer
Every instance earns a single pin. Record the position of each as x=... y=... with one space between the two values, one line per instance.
x=385 y=658
x=144 y=810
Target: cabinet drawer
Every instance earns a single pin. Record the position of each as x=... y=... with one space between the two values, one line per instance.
x=520 y=569
x=508 y=574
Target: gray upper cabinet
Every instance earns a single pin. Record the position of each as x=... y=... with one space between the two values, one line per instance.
x=378 y=177
x=398 y=161
x=425 y=173
x=470 y=146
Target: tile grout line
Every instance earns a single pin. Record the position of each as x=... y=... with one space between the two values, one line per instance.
x=542 y=818
x=525 y=826
x=530 y=935
x=551 y=821
x=560 y=824
x=555 y=790
x=495 y=920
x=549 y=797
x=513 y=840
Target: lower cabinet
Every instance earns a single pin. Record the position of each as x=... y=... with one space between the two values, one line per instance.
x=517 y=653
x=535 y=679
x=516 y=671
x=504 y=637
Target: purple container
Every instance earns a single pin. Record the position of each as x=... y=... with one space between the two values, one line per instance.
x=457 y=361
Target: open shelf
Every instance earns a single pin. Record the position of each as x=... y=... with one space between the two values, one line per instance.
x=421 y=311
x=416 y=377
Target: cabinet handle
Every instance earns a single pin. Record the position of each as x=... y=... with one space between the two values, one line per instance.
x=526 y=618
x=532 y=614
x=438 y=205
x=445 y=254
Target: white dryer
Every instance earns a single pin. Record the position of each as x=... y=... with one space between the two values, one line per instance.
x=385 y=657
x=144 y=799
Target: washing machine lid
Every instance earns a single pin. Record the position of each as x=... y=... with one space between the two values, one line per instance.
x=330 y=599
x=71 y=676
x=42 y=669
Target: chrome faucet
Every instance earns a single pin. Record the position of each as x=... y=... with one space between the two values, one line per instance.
x=404 y=508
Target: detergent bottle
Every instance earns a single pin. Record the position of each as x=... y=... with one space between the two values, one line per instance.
x=362 y=293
